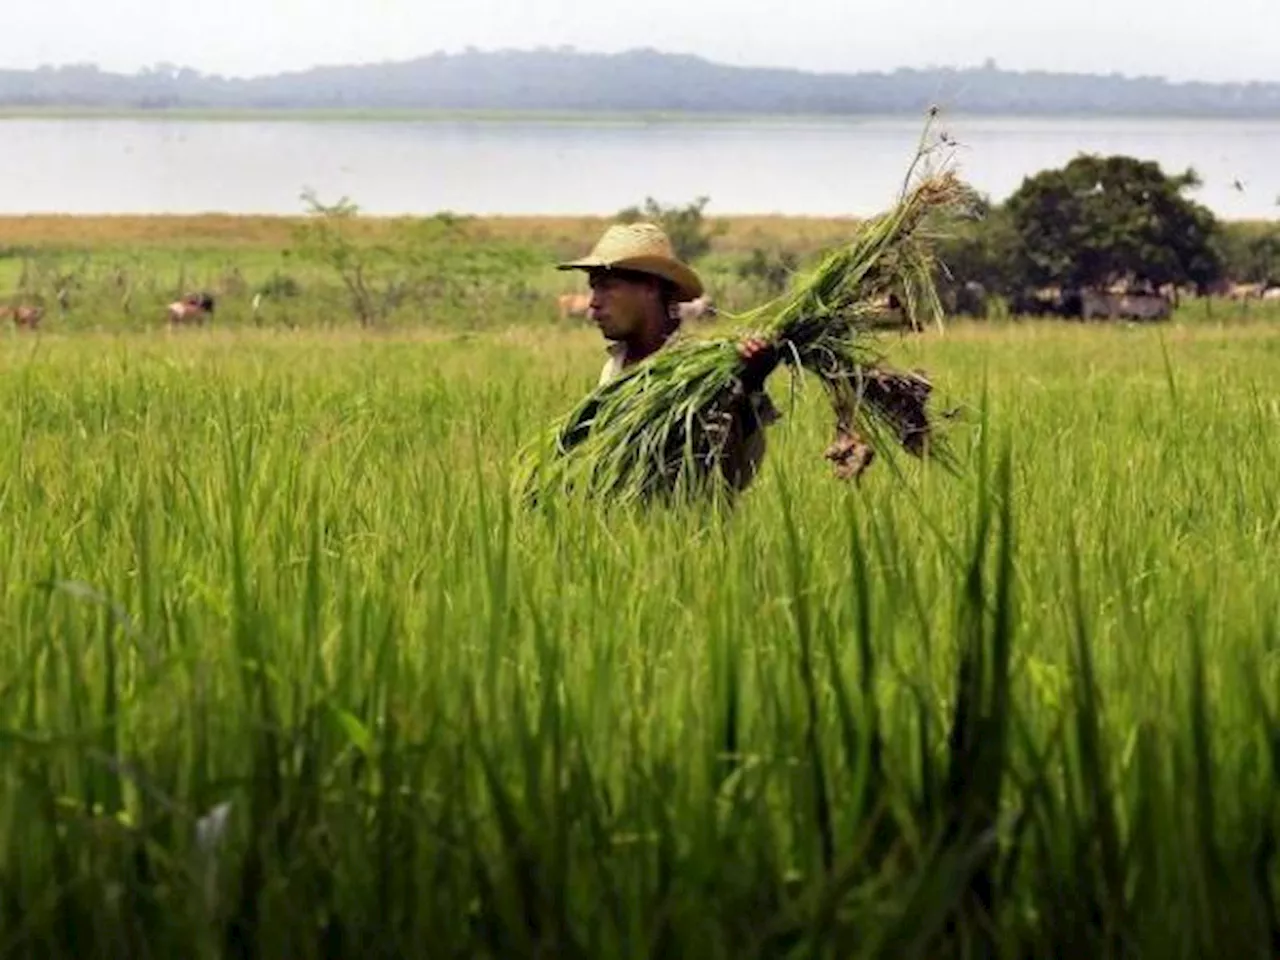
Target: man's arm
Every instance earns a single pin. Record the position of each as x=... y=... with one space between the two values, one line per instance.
x=761 y=358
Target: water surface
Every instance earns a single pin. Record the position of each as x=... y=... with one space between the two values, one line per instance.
x=484 y=166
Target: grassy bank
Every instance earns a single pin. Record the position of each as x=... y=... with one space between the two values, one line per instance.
x=109 y=234
x=119 y=272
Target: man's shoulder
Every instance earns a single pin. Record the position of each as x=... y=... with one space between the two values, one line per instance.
x=613 y=365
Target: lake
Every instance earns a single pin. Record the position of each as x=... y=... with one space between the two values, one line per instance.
x=570 y=167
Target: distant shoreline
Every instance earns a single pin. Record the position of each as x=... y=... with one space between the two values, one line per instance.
x=586 y=117
x=405 y=115
x=80 y=232
x=641 y=84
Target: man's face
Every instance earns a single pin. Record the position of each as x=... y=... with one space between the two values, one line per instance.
x=621 y=303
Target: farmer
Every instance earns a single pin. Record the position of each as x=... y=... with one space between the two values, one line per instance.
x=637 y=284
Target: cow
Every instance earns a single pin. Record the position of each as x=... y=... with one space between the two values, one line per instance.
x=24 y=317
x=193 y=308
x=700 y=309
x=573 y=304
x=1046 y=302
x=1271 y=293
x=971 y=300
x=1245 y=291
x=1146 y=307
x=1124 y=306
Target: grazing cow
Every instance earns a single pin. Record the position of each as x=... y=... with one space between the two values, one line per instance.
x=1146 y=307
x=193 y=308
x=1271 y=293
x=1046 y=302
x=573 y=304
x=1245 y=291
x=971 y=300
x=1125 y=306
x=24 y=317
x=700 y=309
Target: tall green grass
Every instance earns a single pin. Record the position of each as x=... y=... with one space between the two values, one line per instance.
x=285 y=673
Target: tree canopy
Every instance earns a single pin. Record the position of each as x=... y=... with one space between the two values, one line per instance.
x=1100 y=220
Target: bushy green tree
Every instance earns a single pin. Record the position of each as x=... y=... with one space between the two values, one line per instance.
x=1103 y=219
x=1251 y=252
x=771 y=269
x=418 y=263
x=686 y=226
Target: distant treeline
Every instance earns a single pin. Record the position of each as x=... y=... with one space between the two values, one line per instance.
x=988 y=253
x=640 y=80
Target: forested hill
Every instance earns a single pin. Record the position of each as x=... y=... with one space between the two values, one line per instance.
x=640 y=80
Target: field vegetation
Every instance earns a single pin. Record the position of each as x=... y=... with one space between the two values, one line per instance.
x=287 y=672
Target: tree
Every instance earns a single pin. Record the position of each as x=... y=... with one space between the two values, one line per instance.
x=684 y=226
x=1251 y=252
x=369 y=273
x=1100 y=220
x=414 y=262
x=982 y=250
x=772 y=269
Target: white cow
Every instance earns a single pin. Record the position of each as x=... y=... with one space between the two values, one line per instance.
x=700 y=309
x=191 y=309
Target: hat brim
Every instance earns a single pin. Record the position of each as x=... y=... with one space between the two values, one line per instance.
x=687 y=283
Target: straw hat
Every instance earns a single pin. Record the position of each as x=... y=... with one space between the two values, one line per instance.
x=642 y=247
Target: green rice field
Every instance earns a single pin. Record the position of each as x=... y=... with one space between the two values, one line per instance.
x=287 y=672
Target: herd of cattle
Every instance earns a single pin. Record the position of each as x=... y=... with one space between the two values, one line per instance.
x=1121 y=302
x=194 y=308
x=1125 y=303
x=968 y=299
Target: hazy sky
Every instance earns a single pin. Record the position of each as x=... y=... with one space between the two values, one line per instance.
x=1179 y=39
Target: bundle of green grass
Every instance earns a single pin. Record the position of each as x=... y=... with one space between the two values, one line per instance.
x=662 y=430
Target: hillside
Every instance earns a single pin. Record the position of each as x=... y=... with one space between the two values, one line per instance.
x=639 y=80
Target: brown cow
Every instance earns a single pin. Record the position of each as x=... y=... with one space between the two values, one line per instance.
x=193 y=308
x=24 y=317
x=573 y=304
